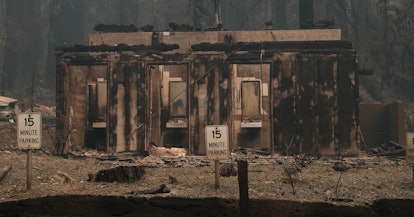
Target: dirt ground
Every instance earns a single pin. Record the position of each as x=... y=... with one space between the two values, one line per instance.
x=355 y=181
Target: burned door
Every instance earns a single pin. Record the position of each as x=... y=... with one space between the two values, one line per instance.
x=251 y=112
x=169 y=105
x=97 y=92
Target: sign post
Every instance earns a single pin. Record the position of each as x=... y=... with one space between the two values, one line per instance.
x=409 y=152
x=29 y=137
x=217 y=146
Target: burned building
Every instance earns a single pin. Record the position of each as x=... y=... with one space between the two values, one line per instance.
x=287 y=91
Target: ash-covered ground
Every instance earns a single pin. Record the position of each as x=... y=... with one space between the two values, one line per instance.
x=353 y=181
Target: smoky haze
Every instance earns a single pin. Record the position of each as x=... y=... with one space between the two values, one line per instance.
x=381 y=31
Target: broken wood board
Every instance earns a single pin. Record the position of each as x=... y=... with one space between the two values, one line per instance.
x=163 y=151
x=4 y=171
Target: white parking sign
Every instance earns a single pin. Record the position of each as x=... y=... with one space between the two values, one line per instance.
x=217 y=142
x=29 y=130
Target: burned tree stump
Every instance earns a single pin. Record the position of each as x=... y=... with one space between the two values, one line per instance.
x=119 y=174
x=227 y=170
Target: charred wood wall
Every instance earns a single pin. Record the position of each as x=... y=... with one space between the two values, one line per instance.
x=212 y=96
x=311 y=105
x=126 y=103
x=315 y=103
x=308 y=98
x=74 y=75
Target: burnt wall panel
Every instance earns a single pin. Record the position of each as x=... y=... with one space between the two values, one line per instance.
x=76 y=115
x=127 y=105
x=61 y=136
x=170 y=90
x=155 y=94
x=306 y=95
x=308 y=100
x=306 y=74
x=141 y=103
x=316 y=104
x=202 y=67
x=114 y=80
x=130 y=104
x=325 y=109
x=251 y=120
x=225 y=93
x=76 y=75
x=127 y=100
x=285 y=122
x=212 y=96
x=347 y=105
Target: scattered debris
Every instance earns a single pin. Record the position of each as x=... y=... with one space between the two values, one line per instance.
x=152 y=161
x=175 y=161
x=4 y=171
x=172 y=179
x=304 y=160
x=126 y=157
x=158 y=190
x=227 y=170
x=340 y=166
x=163 y=151
x=66 y=177
x=254 y=151
x=391 y=149
x=119 y=174
x=162 y=189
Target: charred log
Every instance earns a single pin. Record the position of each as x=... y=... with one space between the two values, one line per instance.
x=277 y=46
x=119 y=174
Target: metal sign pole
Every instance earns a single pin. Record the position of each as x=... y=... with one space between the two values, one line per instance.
x=29 y=169
x=216 y=166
